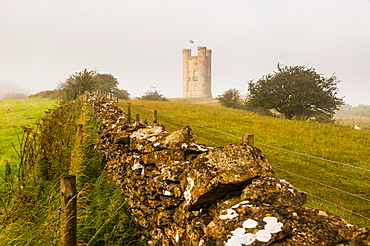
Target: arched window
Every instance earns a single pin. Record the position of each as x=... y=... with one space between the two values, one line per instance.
x=195 y=76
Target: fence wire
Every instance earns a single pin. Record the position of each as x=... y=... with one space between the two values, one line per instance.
x=266 y=145
x=175 y=127
x=282 y=149
x=336 y=205
x=322 y=184
x=56 y=230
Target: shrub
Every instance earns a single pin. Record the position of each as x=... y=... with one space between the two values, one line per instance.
x=231 y=99
x=153 y=95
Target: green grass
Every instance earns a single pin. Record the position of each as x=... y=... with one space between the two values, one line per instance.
x=30 y=214
x=362 y=123
x=329 y=141
x=29 y=202
x=13 y=115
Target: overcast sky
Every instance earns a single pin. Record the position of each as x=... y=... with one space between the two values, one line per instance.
x=140 y=42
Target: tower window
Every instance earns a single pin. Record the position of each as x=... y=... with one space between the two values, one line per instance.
x=195 y=75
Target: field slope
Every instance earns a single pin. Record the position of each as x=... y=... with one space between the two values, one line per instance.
x=339 y=185
x=13 y=115
x=29 y=187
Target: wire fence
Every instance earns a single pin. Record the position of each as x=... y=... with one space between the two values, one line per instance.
x=169 y=121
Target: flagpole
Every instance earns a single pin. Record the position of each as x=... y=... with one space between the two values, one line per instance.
x=190 y=43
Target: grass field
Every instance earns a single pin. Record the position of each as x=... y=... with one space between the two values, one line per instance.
x=351 y=121
x=13 y=115
x=327 y=184
x=330 y=186
x=30 y=193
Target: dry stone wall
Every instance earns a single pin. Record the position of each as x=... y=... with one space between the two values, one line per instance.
x=183 y=193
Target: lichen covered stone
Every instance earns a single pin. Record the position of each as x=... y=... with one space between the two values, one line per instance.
x=186 y=194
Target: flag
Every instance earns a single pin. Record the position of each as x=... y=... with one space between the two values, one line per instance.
x=191 y=41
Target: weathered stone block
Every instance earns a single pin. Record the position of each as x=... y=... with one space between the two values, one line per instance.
x=221 y=171
x=186 y=194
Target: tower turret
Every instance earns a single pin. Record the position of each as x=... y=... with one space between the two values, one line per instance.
x=197 y=73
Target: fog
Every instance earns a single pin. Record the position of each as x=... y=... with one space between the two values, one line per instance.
x=140 y=42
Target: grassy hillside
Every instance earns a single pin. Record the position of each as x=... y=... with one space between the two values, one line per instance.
x=29 y=186
x=330 y=185
x=29 y=194
x=13 y=115
x=351 y=121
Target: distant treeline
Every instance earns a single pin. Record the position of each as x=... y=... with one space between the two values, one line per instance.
x=14 y=95
x=51 y=94
x=360 y=110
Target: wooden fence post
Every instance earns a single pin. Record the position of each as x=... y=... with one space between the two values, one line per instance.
x=248 y=138
x=80 y=133
x=68 y=194
x=155 y=116
x=129 y=112
x=137 y=117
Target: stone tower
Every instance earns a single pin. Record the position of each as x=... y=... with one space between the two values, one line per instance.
x=196 y=73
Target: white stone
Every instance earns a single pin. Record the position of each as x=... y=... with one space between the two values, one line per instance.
x=238 y=231
x=272 y=225
x=239 y=238
x=263 y=235
x=201 y=148
x=236 y=206
x=249 y=223
x=137 y=166
x=231 y=213
x=189 y=187
x=142 y=172
x=323 y=213
x=152 y=139
x=243 y=204
x=270 y=220
x=211 y=224
x=291 y=190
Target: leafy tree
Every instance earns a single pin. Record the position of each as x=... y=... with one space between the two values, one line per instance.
x=296 y=91
x=121 y=94
x=107 y=82
x=86 y=80
x=153 y=95
x=231 y=99
x=78 y=83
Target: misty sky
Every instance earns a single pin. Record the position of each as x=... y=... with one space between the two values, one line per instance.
x=140 y=42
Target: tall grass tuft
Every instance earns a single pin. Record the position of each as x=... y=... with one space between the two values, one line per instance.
x=29 y=194
x=216 y=126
